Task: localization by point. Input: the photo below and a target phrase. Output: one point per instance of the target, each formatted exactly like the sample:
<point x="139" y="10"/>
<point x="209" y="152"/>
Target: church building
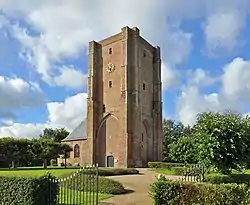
<point x="123" y="127"/>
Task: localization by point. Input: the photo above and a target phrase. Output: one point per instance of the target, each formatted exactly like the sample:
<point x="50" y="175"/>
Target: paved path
<point x="139" y="186"/>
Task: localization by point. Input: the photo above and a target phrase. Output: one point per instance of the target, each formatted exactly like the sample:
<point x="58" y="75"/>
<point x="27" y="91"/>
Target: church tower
<point x="124" y="105"/>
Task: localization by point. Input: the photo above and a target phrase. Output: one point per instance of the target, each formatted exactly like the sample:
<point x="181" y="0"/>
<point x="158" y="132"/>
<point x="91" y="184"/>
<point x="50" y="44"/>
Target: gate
<point x="193" y="173"/>
<point x="80" y="188"/>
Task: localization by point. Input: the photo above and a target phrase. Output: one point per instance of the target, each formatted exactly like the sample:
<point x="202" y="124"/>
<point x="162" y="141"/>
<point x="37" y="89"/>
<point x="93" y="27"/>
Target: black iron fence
<point x="80" y="188"/>
<point x="193" y="173"/>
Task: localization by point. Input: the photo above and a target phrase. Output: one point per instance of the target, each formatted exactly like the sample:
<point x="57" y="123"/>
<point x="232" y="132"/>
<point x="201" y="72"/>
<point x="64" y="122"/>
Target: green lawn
<point x="68" y="196"/>
<point x="59" y="172"/>
<point x="164" y="171"/>
<point x="37" y="171"/>
<point x="170" y="172"/>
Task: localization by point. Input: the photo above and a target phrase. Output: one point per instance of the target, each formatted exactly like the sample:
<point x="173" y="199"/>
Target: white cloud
<point x="236" y="80"/>
<point x="71" y="77"/>
<point x="169" y="77"/>
<point x="66" y="33"/>
<point x="192" y="102"/>
<point x="201" y="77"/>
<point x="222" y="30"/>
<point x="66" y="36"/>
<point x="224" y="20"/>
<point x="232" y="95"/>
<point x="66" y="114"/>
<point x="16" y="93"/>
<point x="3" y="21"/>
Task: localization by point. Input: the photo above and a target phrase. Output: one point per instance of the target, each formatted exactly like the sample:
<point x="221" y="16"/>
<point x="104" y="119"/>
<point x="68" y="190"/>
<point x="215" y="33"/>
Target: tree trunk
<point x="65" y="160"/>
<point x="45" y="164"/>
<point x="12" y="164"/>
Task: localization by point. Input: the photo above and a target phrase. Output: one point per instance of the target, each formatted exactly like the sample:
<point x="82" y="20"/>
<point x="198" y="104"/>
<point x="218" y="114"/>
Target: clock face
<point x="111" y="67"/>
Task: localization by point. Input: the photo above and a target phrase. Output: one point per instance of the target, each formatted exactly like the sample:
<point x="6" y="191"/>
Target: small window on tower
<point x="103" y="108"/>
<point x="144" y="53"/>
<point x="144" y="86"/>
<point x="110" y="50"/>
<point x="142" y="137"/>
<point x="110" y="84"/>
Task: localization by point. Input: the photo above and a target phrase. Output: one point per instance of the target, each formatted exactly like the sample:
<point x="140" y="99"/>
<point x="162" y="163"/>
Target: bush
<point x="53" y="162"/>
<point x="111" y="171"/>
<point x="28" y="191"/>
<point x="165" y="192"/>
<point x="110" y="186"/>
<point x="232" y="178"/>
<point x="105" y="185"/>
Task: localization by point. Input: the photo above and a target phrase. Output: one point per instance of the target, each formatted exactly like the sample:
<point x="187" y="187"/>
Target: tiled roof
<point x="79" y="133"/>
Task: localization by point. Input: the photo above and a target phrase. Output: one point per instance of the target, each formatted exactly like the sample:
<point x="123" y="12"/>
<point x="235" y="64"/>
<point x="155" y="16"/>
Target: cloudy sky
<point x="43" y="56"/>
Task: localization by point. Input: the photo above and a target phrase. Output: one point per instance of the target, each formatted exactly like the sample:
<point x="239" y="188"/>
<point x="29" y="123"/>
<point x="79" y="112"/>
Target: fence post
<point x="203" y="174"/>
<point x="97" y="184"/>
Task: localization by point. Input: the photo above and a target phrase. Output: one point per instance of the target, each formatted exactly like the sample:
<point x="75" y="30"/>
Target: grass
<point x="37" y="171"/>
<point x="69" y="196"/>
<point x="164" y="171"/>
<point x="66" y="195"/>
<point x="60" y="172"/>
<point x="170" y="172"/>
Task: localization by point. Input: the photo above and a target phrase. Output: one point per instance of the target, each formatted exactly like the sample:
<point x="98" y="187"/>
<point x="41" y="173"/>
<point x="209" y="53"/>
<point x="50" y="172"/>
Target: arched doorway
<point x="107" y="141"/>
<point x="110" y="161"/>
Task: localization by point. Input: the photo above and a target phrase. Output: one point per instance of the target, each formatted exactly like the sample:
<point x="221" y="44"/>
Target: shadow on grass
<point x="128" y="191"/>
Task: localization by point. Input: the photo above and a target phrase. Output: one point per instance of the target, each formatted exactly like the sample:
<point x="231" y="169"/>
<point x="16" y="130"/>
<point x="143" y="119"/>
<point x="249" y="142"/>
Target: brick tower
<point x="124" y="105"/>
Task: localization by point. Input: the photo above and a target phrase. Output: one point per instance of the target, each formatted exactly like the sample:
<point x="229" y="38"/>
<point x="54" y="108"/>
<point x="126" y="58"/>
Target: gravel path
<point x="138" y="186"/>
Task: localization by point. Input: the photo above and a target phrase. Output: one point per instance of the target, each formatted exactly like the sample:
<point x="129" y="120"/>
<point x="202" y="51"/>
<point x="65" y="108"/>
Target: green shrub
<point x="110" y="186"/>
<point x="53" y="162"/>
<point x="28" y="191"/>
<point x="166" y="165"/>
<point x="111" y="171"/>
<point x="105" y="185"/>
<point x="232" y="178"/>
<point x="165" y="192"/>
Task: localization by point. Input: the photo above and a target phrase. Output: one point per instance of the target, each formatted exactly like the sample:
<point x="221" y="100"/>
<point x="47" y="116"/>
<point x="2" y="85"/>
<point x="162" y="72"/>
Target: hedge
<point x="166" y="192"/>
<point x="232" y="178"/>
<point x="112" y="171"/>
<point x="28" y="191"/>
<point x="105" y="185"/>
<point x="166" y="165"/>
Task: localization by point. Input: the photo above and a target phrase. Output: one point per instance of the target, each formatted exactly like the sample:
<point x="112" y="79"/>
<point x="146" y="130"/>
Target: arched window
<point x="76" y="151"/>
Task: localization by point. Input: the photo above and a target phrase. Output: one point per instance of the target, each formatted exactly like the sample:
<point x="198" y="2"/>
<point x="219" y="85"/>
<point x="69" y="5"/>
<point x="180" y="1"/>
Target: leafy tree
<point x="10" y="150"/>
<point x="223" y="140"/>
<point x="173" y="133"/>
<point x="25" y="152"/>
<point x="56" y="135"/>
<point x="184" y="150"/>
<point x="51" y="150"/>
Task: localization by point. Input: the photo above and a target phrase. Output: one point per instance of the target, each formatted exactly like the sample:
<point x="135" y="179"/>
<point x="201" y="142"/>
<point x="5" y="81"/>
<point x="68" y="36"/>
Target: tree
<point x="56" y="135"/>
<point x="10" y="150"/>
<point x="173" y="133"/>
<point x="223" y="140"/>
<point x="184" y="150"/>
<point x="51" y="150"/>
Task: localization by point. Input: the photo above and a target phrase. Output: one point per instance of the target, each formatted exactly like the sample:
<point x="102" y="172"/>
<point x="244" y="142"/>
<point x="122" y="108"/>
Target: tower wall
<point x="124" y="117"/>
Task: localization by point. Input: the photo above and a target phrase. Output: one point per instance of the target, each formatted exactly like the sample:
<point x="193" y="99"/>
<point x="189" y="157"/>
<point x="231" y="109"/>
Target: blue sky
<point x="43" y="54"/>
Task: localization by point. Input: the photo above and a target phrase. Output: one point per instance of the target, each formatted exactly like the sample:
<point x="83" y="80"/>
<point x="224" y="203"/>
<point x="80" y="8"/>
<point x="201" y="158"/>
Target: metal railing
<point x="80" y="188"/>
<point x="193" y="173"/>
